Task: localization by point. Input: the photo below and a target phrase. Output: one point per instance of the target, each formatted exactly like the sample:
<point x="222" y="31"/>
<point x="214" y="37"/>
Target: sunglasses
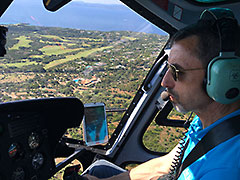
<point x="175" y="71"/>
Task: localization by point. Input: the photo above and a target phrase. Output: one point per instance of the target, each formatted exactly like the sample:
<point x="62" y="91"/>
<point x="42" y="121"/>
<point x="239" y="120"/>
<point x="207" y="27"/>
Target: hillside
<point x="68" y="62"/>
<point x="94" y="66"/>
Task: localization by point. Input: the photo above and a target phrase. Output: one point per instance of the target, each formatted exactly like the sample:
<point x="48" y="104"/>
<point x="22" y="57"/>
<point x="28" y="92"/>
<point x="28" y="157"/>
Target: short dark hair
<point x="208" y="40"/>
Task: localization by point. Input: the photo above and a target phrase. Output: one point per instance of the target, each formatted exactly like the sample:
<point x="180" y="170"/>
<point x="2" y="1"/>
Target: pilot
<point x="195" y="50"/>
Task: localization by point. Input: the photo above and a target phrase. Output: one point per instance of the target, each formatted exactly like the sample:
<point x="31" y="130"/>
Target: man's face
<point x="186" y="92"/>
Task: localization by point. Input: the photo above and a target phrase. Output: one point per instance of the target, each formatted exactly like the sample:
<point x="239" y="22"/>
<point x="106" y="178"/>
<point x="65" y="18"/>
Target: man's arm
<point x="154" y="168"/>
<point x="149" y="170"/>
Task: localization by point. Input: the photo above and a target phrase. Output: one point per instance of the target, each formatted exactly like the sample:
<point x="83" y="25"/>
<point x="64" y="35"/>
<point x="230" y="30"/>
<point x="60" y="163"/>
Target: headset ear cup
<point x="223" y="79"/>
<point x="222" y="82"/>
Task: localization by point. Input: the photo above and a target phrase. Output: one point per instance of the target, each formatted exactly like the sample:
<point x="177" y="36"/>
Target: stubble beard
<point x="177" y="105"/>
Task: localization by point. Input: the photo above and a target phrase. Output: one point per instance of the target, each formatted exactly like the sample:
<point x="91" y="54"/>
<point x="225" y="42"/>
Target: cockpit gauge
<point x="34" y="141"/>
<point x="14" y="150"/>
<point x="18" y="174"/>
<point x="37" y="161"/>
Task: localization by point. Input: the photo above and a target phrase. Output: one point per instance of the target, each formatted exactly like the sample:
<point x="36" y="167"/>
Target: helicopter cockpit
<point x="40" y="124"/>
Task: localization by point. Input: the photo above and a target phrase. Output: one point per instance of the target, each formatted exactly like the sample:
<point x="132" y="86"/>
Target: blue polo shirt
<point x="220" y="163"/>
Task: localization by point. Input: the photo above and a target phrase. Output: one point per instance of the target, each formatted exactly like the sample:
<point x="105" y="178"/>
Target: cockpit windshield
<point x="97" y="52"/>
<point x="77" y="51"/>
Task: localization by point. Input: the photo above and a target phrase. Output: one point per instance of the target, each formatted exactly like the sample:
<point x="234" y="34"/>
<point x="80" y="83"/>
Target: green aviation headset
<point x="223" y="71"/>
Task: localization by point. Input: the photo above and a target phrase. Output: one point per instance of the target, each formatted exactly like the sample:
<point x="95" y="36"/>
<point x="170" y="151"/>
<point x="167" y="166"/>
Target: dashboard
<point x="30" y="130"/>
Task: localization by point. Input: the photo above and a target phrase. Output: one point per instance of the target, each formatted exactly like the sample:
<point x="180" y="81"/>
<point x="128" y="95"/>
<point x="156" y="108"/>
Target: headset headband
<point x="226" y="24"/>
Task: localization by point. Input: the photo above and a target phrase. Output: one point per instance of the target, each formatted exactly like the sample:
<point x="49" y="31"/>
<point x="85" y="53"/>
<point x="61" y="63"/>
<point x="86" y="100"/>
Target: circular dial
<point x="18" y="174"/>
<point x="33" y="141"/>
<point x="37" y="161"/>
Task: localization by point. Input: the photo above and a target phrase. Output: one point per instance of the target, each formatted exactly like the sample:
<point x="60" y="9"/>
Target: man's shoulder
<point x="226" y="153"/>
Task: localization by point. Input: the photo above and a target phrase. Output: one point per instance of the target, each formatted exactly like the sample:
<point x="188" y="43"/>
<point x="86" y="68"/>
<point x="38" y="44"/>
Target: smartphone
<point x="95" y="128"/>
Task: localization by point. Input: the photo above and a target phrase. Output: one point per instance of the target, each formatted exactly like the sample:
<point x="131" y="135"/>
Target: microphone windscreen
<point x="164" y="96"/>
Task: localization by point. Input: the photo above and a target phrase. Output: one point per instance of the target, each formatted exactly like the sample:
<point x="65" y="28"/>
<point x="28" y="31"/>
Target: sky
<point x="101" y="1"/>
<point x="102" y="15"/>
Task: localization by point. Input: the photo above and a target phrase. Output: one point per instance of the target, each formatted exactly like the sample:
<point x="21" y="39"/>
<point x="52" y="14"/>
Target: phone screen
<point x="95" y="124"/>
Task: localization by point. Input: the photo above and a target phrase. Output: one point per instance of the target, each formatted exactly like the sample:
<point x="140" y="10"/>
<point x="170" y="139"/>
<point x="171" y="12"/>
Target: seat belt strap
<point x="220" y="133"/>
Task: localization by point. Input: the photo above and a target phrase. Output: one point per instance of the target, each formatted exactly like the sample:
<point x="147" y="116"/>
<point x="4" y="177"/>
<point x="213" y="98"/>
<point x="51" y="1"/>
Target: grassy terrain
<point x="57" y="50"/>
<point x="23" y="41"/>
<point x="74" y="57"/>
<point x="128" y="38"/>
<point x="54" y="37"/>
<point x="24" y="62"/>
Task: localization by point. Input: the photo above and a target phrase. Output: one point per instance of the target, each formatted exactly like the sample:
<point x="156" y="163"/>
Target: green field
<point x="74" y="57"/>
<point x="56" y="50"/>
<point x="20" y="64"/>
<point x="23" y="41"/>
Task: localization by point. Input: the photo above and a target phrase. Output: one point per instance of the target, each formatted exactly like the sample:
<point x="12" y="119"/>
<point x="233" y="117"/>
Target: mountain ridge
<point x="80" y="15"/>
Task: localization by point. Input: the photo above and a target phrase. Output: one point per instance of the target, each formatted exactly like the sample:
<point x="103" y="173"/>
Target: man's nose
<point x="168" y="81"/>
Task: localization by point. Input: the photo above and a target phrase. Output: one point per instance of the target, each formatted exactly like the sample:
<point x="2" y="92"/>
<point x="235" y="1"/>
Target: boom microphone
<point x="164" y="96"/>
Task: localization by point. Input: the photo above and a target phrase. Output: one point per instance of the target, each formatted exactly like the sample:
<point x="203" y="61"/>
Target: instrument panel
<point x="29" y="133"/>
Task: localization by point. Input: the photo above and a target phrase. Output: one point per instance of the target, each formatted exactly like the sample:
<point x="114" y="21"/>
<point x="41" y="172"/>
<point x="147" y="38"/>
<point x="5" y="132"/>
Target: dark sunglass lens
<point x="173" y="71"/>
